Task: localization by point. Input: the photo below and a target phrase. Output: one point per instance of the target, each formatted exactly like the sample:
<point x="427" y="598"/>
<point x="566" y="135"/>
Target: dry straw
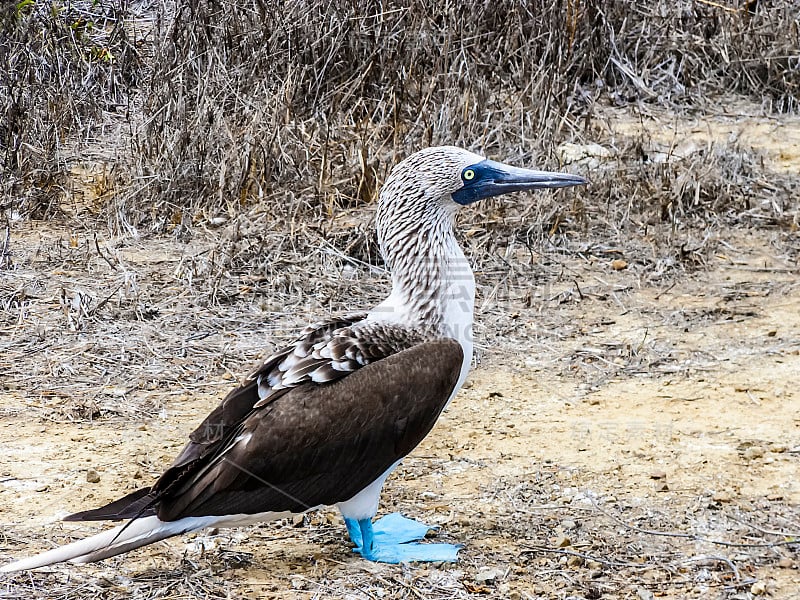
<point x="299" y="107"/>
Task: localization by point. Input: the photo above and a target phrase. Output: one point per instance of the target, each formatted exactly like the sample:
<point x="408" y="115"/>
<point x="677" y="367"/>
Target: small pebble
<point x="786" y="563"/>
<point x="92" y="476"/>
<point x="721" y="496"/>
<point x="661" y="486"/>
<point x="658" y="474"/>
<point x="562" y="541"/>
<point x="753" y="452"/>
<point x="759" y="588"/>
<point x="574" y="561"/>
<point x="488" y="575"/>
<point x="618" y="264"/>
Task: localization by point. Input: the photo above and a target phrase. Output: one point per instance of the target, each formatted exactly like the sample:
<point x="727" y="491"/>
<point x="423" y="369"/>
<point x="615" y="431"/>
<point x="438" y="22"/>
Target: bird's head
<point x="448" y="177"/>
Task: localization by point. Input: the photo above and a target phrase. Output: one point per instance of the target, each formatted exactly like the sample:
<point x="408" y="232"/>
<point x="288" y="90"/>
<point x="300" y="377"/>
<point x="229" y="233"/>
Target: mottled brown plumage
<point x="304" y="440"/>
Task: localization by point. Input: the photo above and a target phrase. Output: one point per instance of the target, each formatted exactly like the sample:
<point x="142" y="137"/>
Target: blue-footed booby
<point x="326" y="419"/>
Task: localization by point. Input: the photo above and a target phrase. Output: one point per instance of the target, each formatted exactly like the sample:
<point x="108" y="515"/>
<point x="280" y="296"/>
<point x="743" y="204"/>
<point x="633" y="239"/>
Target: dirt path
<point x="560" y="466"/>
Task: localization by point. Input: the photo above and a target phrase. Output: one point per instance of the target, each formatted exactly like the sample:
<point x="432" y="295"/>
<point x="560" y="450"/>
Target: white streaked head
<point x="438" y="180"/>
<point x="433" y="173"/>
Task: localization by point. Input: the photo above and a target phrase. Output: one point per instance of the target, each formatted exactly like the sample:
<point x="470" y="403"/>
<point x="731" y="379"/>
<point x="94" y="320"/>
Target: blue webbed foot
<point x="412" y="552"/>
<point x="388" y="541"/>
<point x="397" y="529"/>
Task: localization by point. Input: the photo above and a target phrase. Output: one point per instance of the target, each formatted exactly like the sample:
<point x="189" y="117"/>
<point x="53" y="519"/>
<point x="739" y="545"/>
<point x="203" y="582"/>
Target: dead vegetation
<point x="69" y="70"/>
<point x="298" y="110"/>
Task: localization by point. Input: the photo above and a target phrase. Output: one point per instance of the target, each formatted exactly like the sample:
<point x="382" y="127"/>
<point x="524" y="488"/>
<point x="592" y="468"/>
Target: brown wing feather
<point x="334" y="349"/>
<point x="241" y="400"/>
<point x="320" y="444"/>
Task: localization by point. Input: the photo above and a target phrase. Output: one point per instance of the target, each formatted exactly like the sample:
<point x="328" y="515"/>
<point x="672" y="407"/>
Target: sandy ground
<point x="618" y="438"/>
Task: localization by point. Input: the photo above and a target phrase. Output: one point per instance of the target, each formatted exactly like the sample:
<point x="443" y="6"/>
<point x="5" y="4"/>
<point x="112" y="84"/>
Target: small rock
<point x="721" y="496"/>
<point x="298" y="520"/>
<point x="753" y="452"/>
<point x="562" y="541"/>
<point x="514" y="595"/>
<point x="661" y="486"/>
<point x="574" y="561"/>
<point x="488" y="575"/>
<point x="138" y="475"/>
<point x="618" y="264"/>
<point x="658" y="474"/>
<point x="142" y="427"/>
<point x="92" y="476"/>
<point x="644" y="594"/>
<point x="590" y="155"/>
<point x="567" y="524"/>
<point x="759" y="588"/>
<point x="786" y="563"/>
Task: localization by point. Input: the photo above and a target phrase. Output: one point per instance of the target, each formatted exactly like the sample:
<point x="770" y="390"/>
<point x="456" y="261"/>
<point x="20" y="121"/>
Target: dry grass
<point x="69" y="69"/>
<point x="300" y="109"/>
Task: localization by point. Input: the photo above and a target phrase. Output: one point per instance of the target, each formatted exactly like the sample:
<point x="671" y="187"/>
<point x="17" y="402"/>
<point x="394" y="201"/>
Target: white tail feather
<point x="113" y="541"/>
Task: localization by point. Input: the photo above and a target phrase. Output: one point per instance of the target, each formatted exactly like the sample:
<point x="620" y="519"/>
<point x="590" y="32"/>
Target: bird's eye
<point x="469" y="174"/>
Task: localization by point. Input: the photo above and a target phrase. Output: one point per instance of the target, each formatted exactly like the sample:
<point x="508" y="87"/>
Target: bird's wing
<point x="319" y="444"/>
<point x="324" y="352"/>
<point x="296" y="384"/>
<point x="241" y="400"/>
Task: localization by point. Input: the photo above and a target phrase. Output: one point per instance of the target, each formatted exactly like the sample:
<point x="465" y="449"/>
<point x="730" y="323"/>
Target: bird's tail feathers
<point x="140" y="503"/>
<point x="111" y="542"/>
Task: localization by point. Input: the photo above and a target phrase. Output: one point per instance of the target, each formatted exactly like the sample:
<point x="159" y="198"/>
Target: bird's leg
<point x="354" y="531"/>
<point x="388" y="542"/>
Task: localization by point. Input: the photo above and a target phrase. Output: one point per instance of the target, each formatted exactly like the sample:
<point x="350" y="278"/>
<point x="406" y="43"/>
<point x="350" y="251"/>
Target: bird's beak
<point x="494" y="178"/>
